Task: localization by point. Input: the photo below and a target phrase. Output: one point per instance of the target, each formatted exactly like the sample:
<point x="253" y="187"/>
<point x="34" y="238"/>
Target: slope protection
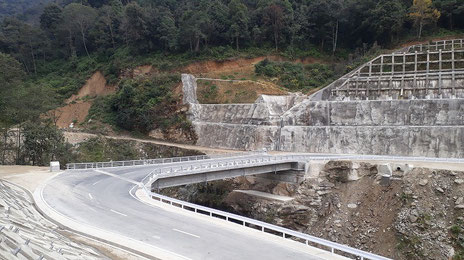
<point x="412" y="121"/>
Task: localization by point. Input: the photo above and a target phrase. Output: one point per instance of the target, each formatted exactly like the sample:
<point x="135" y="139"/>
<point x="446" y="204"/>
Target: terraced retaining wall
<point x="418" y="127"/>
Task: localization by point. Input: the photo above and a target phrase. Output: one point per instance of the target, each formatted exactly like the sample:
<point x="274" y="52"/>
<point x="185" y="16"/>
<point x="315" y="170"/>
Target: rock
<point x="283" y="189"/>
<point x="423" y="182"/>
<point x="440" y="190"/>
<point x="413" y="218"/>
<point x="338" y="170"/>
<point x="384" y="169"/>
<point x="352" y="206"/>
<point x="459" y="200"/>
<point x="461" y="206"/>
<point x="459" y="181"/>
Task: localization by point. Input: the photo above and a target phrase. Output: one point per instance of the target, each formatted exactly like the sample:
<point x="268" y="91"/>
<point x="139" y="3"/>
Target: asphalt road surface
<point x="107" y="202"/>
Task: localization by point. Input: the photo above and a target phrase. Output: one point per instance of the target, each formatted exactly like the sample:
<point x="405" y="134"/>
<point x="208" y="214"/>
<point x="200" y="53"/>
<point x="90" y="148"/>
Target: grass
<point x="103" y="149"/>
<point x="457" y="236"/>
<point x="226" y="92"/>
<point x="295" y="76"/>
<point x="410" y="247"/>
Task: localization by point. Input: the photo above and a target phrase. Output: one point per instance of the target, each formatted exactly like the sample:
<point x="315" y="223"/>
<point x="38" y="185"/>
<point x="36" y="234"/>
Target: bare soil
<point x="95" y="86"/>
<point x="78" y="105"/>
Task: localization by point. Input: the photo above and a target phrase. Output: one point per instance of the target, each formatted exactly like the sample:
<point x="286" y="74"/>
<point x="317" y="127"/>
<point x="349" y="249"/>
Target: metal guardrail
<point x="112" y="164"/>
<point x="267" y="228"/>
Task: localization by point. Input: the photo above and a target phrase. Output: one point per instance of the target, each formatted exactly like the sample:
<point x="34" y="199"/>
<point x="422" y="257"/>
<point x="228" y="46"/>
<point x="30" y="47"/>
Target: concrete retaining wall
<point x="257" y="114"/>
<point x="432" y="128"/>
<point x="420" y="127"/>
<point x="439" y="112"/>
<point x="382" y="140"/>
<point x="236" y="136"/>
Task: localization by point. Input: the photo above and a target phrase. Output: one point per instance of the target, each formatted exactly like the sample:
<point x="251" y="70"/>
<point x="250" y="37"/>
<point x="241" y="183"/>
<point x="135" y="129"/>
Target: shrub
<point x="295" y="76"/>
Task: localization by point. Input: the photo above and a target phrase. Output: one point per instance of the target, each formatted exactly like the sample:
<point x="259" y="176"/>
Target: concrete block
<point x="54" y="166"/>
<point x="313" y="168"/>
<point x="384" y="169"/>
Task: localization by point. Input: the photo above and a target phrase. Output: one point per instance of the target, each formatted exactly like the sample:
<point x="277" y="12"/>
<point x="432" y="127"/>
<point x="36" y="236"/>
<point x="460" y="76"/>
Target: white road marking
<point x="90" y="196"/>
<point x="114" y="211"/>
<point x="119" y="177"/>
<point x="96" y="182"/>
<point x="183" y="232"/>
<point x="156" y="237"/>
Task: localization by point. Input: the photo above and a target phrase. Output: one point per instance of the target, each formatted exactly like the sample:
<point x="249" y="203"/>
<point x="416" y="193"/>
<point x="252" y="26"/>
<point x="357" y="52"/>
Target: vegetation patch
<point x="295" y="76"/>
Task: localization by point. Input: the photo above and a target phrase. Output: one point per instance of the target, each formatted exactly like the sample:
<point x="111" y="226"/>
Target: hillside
<point x="28" y="10"/>
<point x="128" y="56"/>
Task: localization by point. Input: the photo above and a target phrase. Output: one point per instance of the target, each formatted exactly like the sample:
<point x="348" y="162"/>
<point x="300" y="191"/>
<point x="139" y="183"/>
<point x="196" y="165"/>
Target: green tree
<point x="50" y="18"/>
<point x="43" y="143"/>
<point x="11" y="76"/>
<point x="23" y="41"/>
<point x="238" y="16"/>
<point x="423" y="13"/>
<point x="386" y="20"/>
<point x="104" y="32"/>
<point x="274" y="18"/>
<point x="169" y="33"/>
<point x="136" y="26"/>
<point x="78" y="19"/>
<point x="450" y="9"/>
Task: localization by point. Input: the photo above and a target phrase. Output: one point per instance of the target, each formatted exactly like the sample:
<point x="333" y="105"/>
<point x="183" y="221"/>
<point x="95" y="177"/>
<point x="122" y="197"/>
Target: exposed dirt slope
<point x="78" y="105"/>
<point x="95" y="86"/>
<point x="213" y="67"/>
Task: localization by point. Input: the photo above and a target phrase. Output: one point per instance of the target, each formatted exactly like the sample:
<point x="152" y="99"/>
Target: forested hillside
<point x="69" y="30"/>
<point x="44" y="63"/>
<point x="28" y="10"/>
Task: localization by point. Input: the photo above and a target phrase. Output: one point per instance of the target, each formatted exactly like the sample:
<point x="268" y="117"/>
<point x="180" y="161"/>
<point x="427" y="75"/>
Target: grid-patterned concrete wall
<point x="435" y="71"/>
<point x="406" y="103"/>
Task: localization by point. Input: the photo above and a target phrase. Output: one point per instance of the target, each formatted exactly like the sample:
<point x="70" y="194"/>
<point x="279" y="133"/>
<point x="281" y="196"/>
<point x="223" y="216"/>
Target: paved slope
<point x="25" y="234"/>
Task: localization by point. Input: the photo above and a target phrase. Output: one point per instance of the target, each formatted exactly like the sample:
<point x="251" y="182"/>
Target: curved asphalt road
<point x="103" y="201"/>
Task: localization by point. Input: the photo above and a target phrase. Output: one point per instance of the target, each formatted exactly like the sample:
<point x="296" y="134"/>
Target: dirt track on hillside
<point x="78" y="137"/>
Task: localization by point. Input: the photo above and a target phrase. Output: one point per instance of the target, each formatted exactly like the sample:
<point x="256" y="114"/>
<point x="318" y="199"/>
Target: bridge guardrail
<point x="230" y="162"/>
<point x="211" y="165"/>
<point x="266" y="227"/>
<point x="112" y="164"/>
